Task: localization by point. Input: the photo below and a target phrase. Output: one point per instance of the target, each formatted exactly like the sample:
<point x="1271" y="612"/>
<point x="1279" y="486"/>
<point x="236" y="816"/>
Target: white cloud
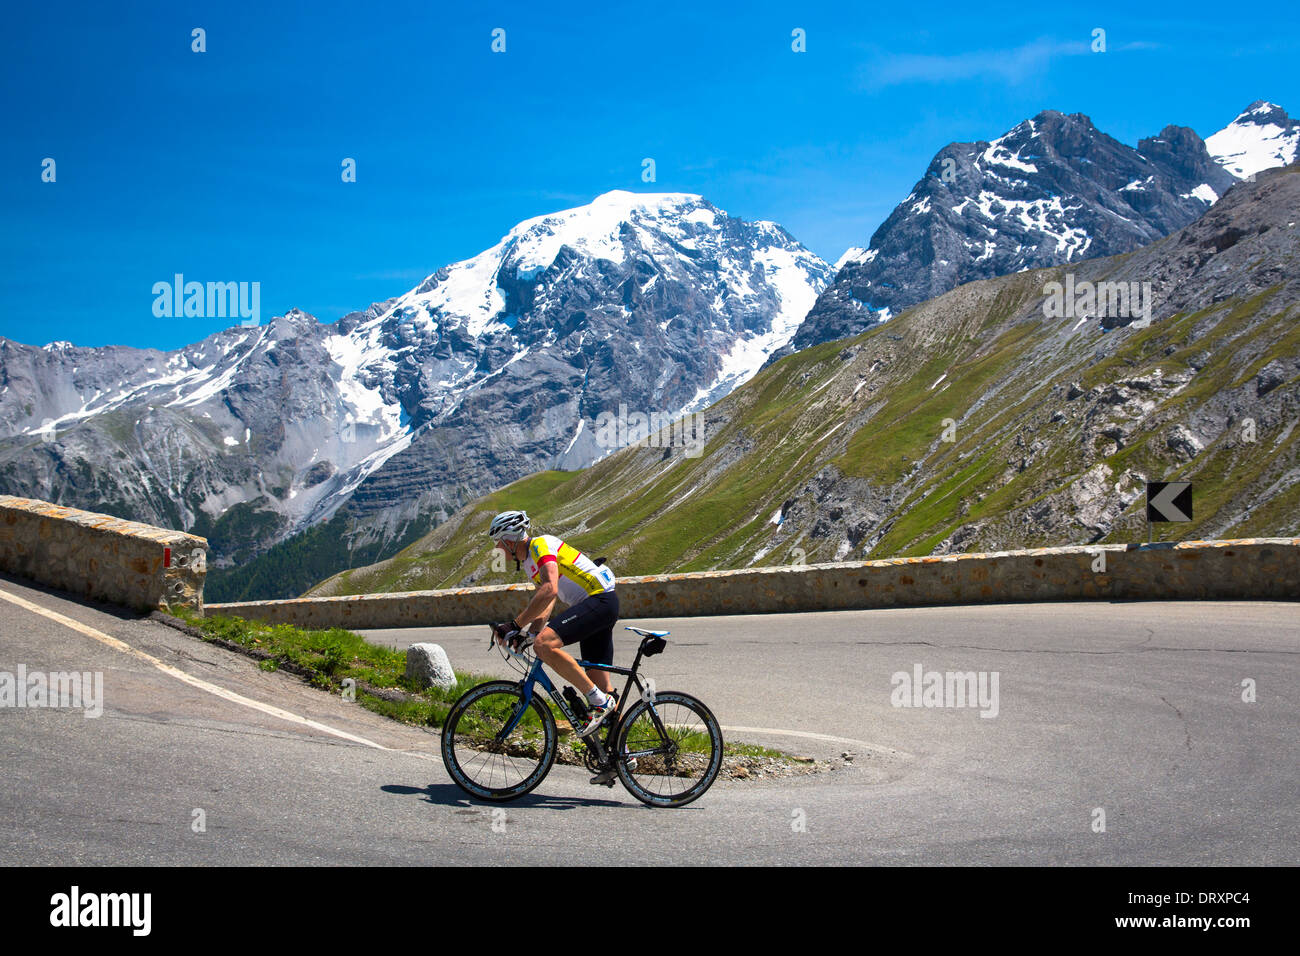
<point x="1014" y="65"/>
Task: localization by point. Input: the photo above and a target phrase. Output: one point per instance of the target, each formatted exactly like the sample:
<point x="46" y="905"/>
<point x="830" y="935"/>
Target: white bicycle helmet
<point x="510" y="525"/>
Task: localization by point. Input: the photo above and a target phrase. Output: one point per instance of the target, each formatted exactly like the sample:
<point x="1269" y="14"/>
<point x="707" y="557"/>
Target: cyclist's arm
<point x="540" y="621"/>
<point x="548" y="588"/>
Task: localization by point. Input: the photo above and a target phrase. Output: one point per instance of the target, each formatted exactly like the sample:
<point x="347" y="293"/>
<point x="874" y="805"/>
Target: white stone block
<point x="429" y="666"/>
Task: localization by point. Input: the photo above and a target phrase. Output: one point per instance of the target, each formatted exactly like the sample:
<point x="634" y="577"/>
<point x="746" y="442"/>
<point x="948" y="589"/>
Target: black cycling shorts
<point x="591" y="622"/>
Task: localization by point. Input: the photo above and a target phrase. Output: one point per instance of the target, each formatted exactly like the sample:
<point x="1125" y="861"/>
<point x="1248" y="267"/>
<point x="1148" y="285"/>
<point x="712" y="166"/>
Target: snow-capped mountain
<point x="491" y="369"/>
<point x="1261" y="137"/>
<point x="669" y="273"/>
<point x="503" y="363"/>
<point x="255" y="427"/>
<point x="1053" y="190"/>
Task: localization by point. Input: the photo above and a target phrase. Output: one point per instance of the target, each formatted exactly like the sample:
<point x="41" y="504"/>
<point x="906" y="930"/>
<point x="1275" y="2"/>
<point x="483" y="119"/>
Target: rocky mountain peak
<point x="1053" y="189"/>
<point x="1261" y="137"/>
<point x="490" y="369"/>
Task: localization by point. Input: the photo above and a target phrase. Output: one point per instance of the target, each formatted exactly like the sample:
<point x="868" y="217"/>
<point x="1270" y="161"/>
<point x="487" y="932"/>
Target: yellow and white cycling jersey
<point x="580" y="576"/>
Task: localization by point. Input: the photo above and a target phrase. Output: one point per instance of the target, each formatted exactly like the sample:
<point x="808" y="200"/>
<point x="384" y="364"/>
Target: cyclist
<point x="560" y="570"/>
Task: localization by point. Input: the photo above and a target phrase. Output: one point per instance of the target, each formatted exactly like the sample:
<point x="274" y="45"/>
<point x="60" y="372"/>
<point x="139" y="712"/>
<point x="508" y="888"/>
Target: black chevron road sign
<point x="1169" y="501"/>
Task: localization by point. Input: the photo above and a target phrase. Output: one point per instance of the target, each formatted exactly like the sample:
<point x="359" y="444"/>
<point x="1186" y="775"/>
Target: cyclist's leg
<point x="599" y="650"/>
<point x="550" y="648"/>
<point x="592" y="616"/>
<point x="598" y="645"/>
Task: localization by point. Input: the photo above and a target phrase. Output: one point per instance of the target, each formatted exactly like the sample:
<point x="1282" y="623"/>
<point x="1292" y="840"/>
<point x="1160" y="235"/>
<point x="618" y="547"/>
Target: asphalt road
<point x="1131" y="710"/>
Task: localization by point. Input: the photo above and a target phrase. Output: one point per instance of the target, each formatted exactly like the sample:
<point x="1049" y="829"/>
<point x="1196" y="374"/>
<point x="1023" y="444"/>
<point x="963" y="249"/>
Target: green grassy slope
<point x="971" y="422"/>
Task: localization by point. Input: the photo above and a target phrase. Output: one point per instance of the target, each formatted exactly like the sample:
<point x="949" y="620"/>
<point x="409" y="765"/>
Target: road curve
<point x="1130" y="714"/>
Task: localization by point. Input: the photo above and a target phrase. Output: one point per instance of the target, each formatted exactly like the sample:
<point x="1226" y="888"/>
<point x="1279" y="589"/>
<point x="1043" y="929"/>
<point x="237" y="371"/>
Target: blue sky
<point x="225" y="165"/>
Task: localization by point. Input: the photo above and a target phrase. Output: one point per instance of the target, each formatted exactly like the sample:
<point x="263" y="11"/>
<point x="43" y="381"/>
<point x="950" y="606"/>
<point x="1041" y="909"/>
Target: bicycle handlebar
<point x="507" y="652"/>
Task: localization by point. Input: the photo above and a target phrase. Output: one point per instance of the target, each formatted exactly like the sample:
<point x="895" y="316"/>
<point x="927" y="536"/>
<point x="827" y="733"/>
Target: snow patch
<point x="785" y="272"/>
<point x="999" y="155"/>
<point x="830" y="433"/>
<point x="1246" y="146"/>
<point x="856" y="254"/>
<point x="1204" y="193"/>
<point x="569" y="447"/>
<point x="1044" y="216"/>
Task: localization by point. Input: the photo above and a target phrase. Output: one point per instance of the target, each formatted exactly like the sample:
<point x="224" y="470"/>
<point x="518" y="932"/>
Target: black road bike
<point x="500" y="739"/>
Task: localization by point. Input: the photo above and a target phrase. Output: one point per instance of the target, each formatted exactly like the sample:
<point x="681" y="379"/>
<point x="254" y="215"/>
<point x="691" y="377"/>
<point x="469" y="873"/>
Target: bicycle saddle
<point x="646" y="633"/>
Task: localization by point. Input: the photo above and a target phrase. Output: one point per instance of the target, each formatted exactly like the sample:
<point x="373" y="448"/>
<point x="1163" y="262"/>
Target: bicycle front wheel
<point x="482" y="761"/>
<point x="669" y="750"/>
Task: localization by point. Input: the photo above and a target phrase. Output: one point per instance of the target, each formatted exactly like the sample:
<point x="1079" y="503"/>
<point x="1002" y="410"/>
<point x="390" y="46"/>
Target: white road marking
<point x="316" y="725"/>
<point x="811" y="736"/>
<point x="182" y="676"/>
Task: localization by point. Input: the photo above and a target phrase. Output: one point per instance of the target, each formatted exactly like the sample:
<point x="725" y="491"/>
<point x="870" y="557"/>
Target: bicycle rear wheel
<point x="484" y="764"/>
<point x="669" y="750"/>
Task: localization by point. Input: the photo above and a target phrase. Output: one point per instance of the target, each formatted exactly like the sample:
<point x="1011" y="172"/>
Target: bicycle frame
<point x="537" y="675"/>
<point x="645" y="743"/>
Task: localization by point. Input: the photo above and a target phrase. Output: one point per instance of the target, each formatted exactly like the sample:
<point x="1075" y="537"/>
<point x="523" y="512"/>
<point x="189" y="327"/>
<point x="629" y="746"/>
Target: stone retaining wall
<point x="1248" y="569"/>
<point x="101" y="557"/>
